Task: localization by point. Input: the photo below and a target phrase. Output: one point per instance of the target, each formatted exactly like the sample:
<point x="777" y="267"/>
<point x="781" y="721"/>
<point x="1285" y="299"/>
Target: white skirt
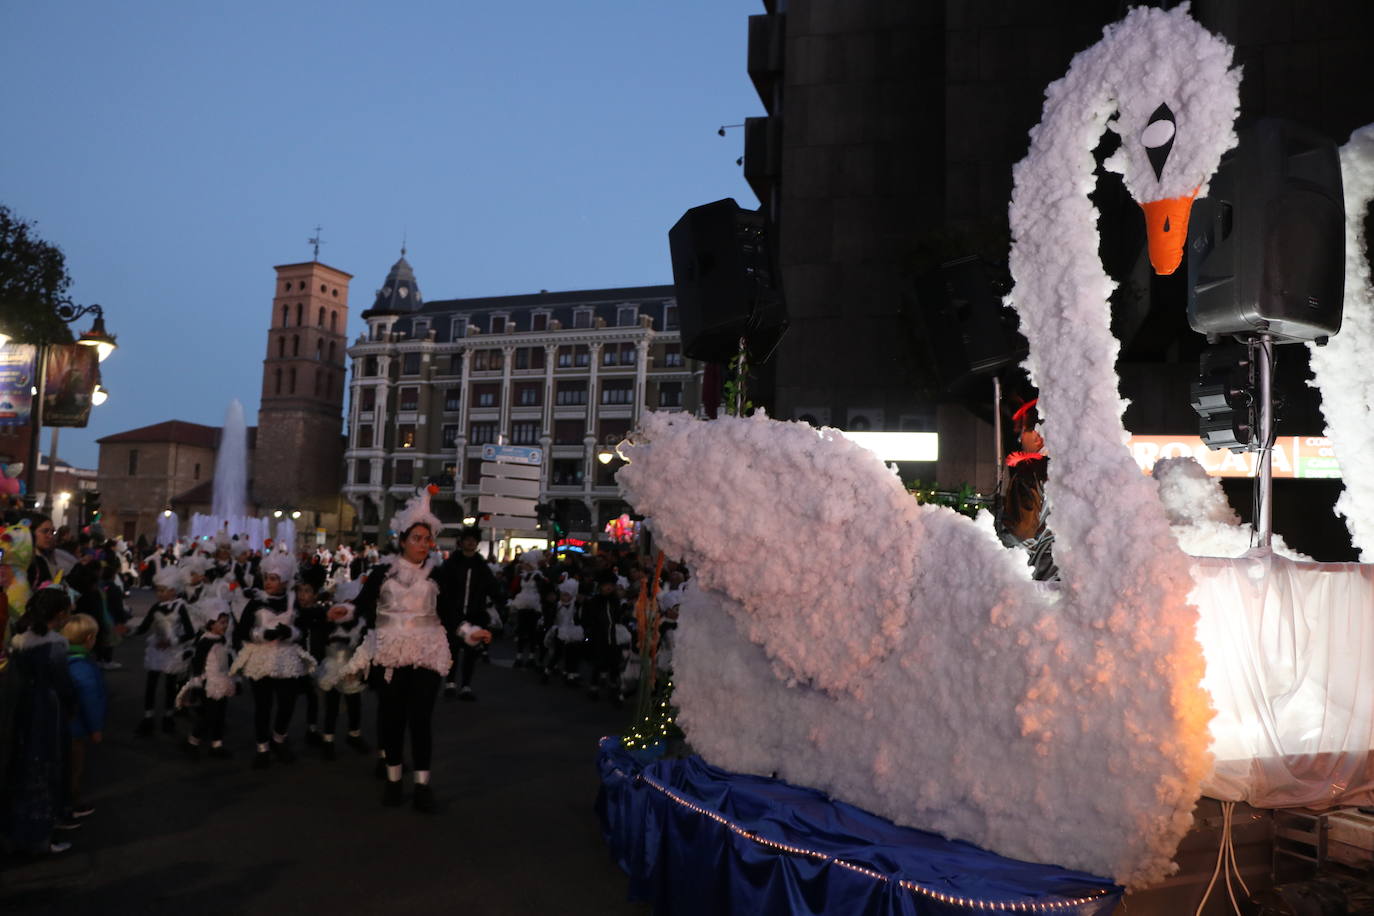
<point x="258" y="660"/>
<point x="172" y="660"/>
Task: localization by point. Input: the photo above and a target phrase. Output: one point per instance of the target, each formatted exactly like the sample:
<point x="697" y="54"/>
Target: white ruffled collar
<point x="409" y="573"/>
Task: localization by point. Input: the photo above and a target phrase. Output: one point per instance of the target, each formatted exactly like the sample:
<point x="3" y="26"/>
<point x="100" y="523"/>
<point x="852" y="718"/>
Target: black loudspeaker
<point x="968" y="329"/>
<point x="1266" y="247"/>
<point x="727" y="283"/>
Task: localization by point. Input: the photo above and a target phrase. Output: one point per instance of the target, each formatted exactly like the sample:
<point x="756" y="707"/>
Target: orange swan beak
<point x="1166" y="228"/>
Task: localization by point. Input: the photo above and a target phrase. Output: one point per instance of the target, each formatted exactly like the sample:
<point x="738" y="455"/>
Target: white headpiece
<point x="221" y="538"/>
<point x="194" y="564"/>
<point x="169" y="576"/>
<point x="242" y="547"/>
<point x="568" y="587"/>
<point x="347" y="591"/>
<point x="281" y="565"/>
<point x="212" y="606"/>
<point x="532" y="557"/>
<point x="417" y="512"/>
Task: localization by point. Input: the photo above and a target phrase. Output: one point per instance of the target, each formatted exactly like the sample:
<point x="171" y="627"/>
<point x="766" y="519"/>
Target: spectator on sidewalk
<point x="90" y="701"/>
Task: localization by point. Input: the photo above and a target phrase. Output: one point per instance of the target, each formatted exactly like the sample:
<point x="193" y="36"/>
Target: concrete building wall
<point x="134" y="491"/>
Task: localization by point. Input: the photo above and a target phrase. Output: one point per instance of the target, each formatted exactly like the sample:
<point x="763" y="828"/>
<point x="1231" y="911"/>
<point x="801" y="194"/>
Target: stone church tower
<point x="298" y="458"/>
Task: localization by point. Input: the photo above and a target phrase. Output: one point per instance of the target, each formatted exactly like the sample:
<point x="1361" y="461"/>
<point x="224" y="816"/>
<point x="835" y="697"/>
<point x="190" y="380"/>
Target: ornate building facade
<point x="567" y="372"/>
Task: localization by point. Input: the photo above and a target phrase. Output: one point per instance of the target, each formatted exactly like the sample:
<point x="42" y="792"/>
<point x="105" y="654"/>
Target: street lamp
<point x="470" y="520"/>
<point x="97" y="336"/>
<point x="276" y="513"/>
<point x="100" y="395"/>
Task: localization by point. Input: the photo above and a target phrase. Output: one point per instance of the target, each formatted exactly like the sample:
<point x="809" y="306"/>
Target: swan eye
<point x="1158" y="138"/>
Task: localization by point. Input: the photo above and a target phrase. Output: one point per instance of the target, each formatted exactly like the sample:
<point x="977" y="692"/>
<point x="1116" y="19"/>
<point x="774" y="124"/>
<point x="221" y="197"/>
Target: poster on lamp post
<point x="70" y="376"/>
<point x="16" y="384"/>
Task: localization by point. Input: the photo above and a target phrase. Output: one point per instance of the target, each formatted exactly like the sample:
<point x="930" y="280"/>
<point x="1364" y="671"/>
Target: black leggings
<point x="265" y="690"/>
<point x="407" y="700"/>
<point x="150" y="692"/>
<point x="210" y="724"/>
<point x="312" y="704"/>
<point x="353" y="702"/>
<point x="527" y="630"/>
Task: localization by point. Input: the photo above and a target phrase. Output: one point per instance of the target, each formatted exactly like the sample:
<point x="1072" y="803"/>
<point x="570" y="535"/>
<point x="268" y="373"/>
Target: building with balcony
<point x="568" y="372"/>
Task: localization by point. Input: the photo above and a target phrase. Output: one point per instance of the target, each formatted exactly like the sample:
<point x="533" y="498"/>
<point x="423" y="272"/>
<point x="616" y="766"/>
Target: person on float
<point x="271" y="657"/>
<point x="470" y="584"/>
<point x="409" y="607"/>
<point x="170" y="633"/>
<point x="1021" y="518"/>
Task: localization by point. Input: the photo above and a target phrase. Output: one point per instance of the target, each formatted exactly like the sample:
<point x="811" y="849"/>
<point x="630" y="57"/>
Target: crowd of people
<point x="407" y="623"/>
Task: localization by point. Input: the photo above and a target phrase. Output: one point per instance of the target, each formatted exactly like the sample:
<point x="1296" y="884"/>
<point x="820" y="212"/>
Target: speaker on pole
<point x="727" y="283"/>
<point x="1266" y="246"/>
<point x="968" y="331"/>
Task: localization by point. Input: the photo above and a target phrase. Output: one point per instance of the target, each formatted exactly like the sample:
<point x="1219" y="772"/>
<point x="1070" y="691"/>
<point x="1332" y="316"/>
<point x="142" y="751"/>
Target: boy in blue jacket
<point x="87" y="724"/>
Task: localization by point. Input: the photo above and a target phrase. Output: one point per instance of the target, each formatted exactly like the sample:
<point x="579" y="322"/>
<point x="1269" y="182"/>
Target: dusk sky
<point x="177" y="151"/>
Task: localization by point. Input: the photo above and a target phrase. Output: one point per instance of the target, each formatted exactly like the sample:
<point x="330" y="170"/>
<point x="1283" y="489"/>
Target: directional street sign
<point x="520" y="454"/>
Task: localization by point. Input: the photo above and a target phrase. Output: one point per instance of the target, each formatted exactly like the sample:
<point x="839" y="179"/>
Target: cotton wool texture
<point x="898" y="657"/>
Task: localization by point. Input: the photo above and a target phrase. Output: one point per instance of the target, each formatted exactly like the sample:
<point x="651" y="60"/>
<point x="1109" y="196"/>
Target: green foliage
<point x="965" y="500"/>
<point x="33" y="276"/>
<point x="736" y="388"/>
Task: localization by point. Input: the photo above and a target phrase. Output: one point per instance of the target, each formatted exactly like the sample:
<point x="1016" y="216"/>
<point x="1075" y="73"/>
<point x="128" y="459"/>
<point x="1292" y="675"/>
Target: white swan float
<point x="921" y="674"/>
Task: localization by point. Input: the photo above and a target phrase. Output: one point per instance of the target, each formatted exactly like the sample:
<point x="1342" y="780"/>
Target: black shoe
<point x="467" y="694"/>
<point x="169" y="725"/>
<point x="220" y="752"/>
<point x="423" y="799"/>
<point x="146" y="727"/>
<point x="358" y="743"/>
<point x="314" y="738"/>
<point x="450" y="691"/>
<point x="262" y="760"/>
<point x="327" y="751"/>
<point x="283" y="752"/>
<point x="69" y="823"/>
<point x="391" y="794"/>
<point x="81" y="811"/>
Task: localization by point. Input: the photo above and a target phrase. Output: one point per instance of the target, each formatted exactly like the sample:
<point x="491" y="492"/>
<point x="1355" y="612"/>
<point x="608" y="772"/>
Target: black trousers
<point x="169" y="686"/>
<point x="312" y="704"/>
<point x="527" y="630"/>
<point x="407" y="701"/>
<point x="268" y="691"/>
<point x="464" y="660"/>
<point x="353" y="702"/>
<point x="210" y="719"/>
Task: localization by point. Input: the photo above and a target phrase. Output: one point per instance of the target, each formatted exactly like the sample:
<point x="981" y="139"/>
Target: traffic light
<point x="90" y="506"/>
<point x="543" y="514"/>
<point x="1224" y="397"/>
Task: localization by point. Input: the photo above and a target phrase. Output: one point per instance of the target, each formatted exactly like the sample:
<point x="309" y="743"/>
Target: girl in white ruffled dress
<point x="170" y="633"/>
<point x="406" y="648"/>
<point x="271" y="657"/>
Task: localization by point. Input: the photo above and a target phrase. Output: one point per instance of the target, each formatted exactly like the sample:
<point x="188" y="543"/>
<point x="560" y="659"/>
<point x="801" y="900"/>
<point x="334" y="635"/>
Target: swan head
<point x="1176" y="96"/>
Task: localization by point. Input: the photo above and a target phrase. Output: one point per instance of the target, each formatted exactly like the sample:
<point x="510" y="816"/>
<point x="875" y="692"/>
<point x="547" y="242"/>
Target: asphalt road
<point x="516" y="833"/>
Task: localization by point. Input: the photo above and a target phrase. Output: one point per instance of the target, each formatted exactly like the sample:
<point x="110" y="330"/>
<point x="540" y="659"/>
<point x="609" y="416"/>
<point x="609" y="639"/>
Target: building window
<point x="670" y="394"/>
<point x="617" y="391"/>
<point x="582" y="356"/>
<point x="419" y="329"/>
<point x="404" y="471"/>
<point x="670" y="318"/>
<point x="195" y="471"/>
<point x="488" y="395"/>
<point x="281" y="347"/>
<point x="319" y="349"/>
<point x="627" y="316"/>
<point x="609" y="355"/>
<point x="363" y="437"/>
<point x="498" y="324"/>
<point x="528" y="394"/>
<point x="458" y="329"/>
<point x="672" y="356"/>
<point x="285" y="314"/>
<point x="410" y="399"/>
<point x="522" y="358"/>
<point x="331" y="352"/>
<point x="582" y="318"/>
<point x="453" y="400"/>
<point x="319" y="382"/>
<point x="571" y="393"/>
<point x="278" y="381"/>
<point x="133" y="462"/>
<point x="629" y="354"/>
<point x="567" y="472"/>
<point x="565" y="357"/>
<point x="369" y="366"/>
<point x="482" y="433"/>
<point x="536" y="357"/>
<point x="455" y="364"/>
<point x="363" y="472"/>
<point x="321" y="321"/>
<point x="293" y="381"/>
<point x="472" y="475"/>
<point x="367" y="398"/>
<point x="300" y="311"/>
<point x="334" y="318"/>
<point x="613" y="429"/>
<point x="295" y="345"/>
<point x="410" y="364"/>
<point x="405" y="435"/>
<point x="569" y="432"/>
<point x="539" y="321"/>
<point x="525" y="432"/>
<point x="450" y="435"/>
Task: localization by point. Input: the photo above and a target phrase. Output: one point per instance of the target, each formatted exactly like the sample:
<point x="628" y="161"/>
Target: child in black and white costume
<point x="271" y="657"/>
<point x="527" y="607"/>
<point x="409" y="605"/>
<point x="564" y="639"/>
<point x="336" y="642"/>
<point x="210" y="686"/>
<point x="170" y="632"/>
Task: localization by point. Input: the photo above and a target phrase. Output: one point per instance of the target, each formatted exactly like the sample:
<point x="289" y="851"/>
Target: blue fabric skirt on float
<point x="695" y="839"/>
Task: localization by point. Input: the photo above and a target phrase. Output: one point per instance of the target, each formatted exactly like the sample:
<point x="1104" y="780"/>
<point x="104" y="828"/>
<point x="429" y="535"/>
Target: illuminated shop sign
<point x="1294" y="456"/>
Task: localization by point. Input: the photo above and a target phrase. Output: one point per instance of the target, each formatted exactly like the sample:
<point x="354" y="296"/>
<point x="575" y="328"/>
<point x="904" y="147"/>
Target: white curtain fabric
<point x="1290" y="666"/>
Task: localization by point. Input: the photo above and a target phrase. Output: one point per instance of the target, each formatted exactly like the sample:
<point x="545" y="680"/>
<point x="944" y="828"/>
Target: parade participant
<point x="210" y="687"/>
<point x="564" y="639"/>
<point x="170" y="632"/>
<point x="271" y="657"/>
<point x="409" y="605"/>
<point x="312" y="623"/>
<point x="1022" y="514"/>
<point x="338" y="640"/>
<point x="526" y="605"/>
<point x="197" y="588"/>
<point x="470" y="584"/>
<point x="599" y="617"/>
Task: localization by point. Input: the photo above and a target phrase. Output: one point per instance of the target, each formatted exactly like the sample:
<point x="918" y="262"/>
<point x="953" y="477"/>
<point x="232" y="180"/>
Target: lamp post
<point x="97" y="337"/>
